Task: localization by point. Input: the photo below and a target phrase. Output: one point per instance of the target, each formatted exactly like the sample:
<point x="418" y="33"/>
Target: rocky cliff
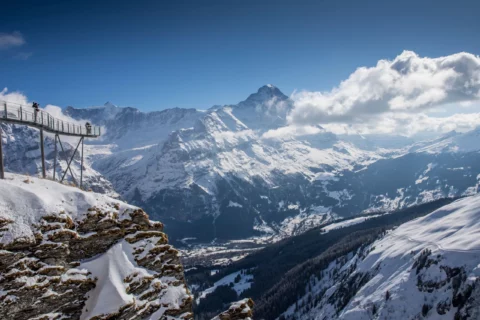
<point x="70" y="254"/>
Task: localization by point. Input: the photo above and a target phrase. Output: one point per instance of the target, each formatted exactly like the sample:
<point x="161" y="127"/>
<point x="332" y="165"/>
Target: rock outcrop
<point x="240" y="310"/>
<point x="69" y="254"/>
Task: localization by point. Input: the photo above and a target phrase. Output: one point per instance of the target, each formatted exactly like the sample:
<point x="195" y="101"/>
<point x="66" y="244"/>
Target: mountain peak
<point x="272" y="90"/>
<point x="264" y="94"/>
<point x="108" y="104"/>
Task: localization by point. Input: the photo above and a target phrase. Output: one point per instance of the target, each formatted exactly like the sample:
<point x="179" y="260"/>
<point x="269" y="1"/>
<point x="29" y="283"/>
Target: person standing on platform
<point x="36" y="108"/>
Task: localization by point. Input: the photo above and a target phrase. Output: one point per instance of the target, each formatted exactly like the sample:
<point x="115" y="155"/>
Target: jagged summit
<point x="264" y="95"/>
<point x="108" y="104"/>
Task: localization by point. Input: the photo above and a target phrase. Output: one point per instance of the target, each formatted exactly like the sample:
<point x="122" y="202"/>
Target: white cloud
<point x="408" y="84"/>
<point x="11" y="40"/>
<point x="57" y="113"/>
<point x="292" y="131"/>
<point x="409" y="124"/>
<point x="13" y="97"/>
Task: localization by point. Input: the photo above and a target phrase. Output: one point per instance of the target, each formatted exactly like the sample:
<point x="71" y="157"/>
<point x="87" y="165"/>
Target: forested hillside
<point x="281" y="271"/>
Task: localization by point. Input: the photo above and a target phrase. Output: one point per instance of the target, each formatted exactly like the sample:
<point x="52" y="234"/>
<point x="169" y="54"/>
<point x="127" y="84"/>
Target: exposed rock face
<point x="241" y="310"/>
<point x="68" y="254"/>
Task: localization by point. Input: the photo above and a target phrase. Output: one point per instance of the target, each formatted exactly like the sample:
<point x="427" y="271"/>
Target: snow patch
<point x="243" y="284"/>
<point x="234" y="204"/>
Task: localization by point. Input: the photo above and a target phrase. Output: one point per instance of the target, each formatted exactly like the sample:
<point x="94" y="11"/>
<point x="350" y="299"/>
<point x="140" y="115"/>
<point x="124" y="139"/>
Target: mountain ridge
<point x="186" y="166"/>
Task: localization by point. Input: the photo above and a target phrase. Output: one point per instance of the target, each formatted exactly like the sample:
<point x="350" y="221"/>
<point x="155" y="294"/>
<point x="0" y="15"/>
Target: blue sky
<point x="155" y="54"/>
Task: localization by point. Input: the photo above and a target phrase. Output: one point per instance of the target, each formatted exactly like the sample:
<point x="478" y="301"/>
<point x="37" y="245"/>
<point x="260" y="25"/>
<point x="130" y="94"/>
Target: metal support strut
<point x="71" y="159"/>
<point x="55" y="158"/>
<point x="2" y="170"/>
<point x="42" y="150"/>
<point x="69" y="169"/>
<point x="81" y="169"/>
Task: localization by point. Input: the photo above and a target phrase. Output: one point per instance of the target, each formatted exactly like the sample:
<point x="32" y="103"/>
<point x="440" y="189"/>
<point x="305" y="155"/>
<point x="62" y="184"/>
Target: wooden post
<point x="2" y="170"/>
<point x="44" y="174"/>
<point x="5" y="110"/>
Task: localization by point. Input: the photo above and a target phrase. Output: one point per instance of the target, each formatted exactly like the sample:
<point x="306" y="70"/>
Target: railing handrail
<point x="17" y="112"/>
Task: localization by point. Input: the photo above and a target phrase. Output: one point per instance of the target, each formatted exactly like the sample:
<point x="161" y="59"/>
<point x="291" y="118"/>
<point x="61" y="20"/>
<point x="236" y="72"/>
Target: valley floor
<point x="222" y="253"/>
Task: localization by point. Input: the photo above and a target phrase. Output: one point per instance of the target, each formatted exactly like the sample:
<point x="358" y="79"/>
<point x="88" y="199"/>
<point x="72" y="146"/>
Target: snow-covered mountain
<point x="128" y="128"/>
<point x="238" y="170"/>
<point x="220" y="168"/>
<point x="450" y="142"/>
<point x="427" y="268"/>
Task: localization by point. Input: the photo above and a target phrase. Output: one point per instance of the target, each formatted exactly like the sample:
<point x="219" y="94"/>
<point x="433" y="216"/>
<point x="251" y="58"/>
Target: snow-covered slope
<point x="427" y="268"/>
<point x="445" y="167"/>
<point x="71" y="254"/>
<point x="238" y="281"/>
<point x="451" y="142"/>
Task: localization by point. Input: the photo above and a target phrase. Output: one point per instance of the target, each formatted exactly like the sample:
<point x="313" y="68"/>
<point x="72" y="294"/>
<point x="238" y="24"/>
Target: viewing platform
<point x="34" y="117"/>
<point x="26" y="115"/>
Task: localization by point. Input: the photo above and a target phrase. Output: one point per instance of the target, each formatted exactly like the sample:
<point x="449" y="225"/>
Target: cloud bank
<point x="409" y="125"/>
<point x="11" y="40"/>
<point x="13" y="97"/>
<point x="391" y="95"/>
